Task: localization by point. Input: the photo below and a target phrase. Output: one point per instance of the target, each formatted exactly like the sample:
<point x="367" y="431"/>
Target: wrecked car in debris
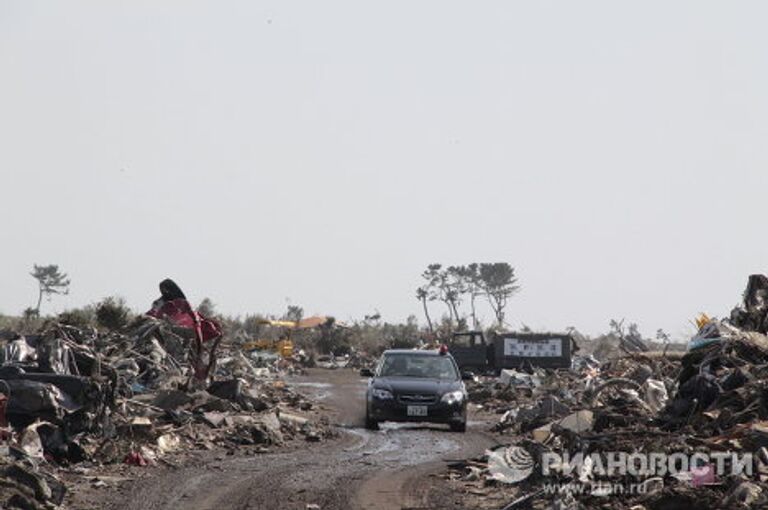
<point x="416" y="386"/>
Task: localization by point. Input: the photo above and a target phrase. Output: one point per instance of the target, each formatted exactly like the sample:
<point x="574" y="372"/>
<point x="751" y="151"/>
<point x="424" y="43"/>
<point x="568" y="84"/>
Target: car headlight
<point x="382" y="394"/>
<point x="453" y="397"/>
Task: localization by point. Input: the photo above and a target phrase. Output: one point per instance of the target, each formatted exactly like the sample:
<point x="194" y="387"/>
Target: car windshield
<point x="418" y="365"/>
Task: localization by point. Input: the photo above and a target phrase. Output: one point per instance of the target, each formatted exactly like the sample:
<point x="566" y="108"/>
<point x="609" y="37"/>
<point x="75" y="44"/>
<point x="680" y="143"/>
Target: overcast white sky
<point x="325" y="152"/>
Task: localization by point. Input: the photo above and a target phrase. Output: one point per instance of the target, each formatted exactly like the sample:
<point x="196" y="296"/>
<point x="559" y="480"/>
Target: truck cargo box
<point x="546" y="350"/>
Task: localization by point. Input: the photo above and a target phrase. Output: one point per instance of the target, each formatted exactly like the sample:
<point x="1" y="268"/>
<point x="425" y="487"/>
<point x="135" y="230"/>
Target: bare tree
<point x="438" y="287"/>
<point x="455" y="288"/>
<point x="50" y="281"/>
<point x="630" y="339"/>
<point x="422" y="294"/>
<point x="294" y="313"/>
<point x="499" y="283"/>
<point x="206" y="308"/>
<point x="446" y="285"/>
<point x="471" y="286"/>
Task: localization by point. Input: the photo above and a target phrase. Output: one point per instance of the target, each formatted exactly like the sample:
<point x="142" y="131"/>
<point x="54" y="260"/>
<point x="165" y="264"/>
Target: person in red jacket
<point x="173" y="306"/>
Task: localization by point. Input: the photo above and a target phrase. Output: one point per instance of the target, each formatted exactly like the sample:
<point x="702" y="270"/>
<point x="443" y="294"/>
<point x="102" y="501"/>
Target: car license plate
<point x="417" y="410"/>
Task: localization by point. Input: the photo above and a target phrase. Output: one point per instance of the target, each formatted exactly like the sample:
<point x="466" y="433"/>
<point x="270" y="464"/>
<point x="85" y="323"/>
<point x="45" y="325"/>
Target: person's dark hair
<point x="170" y="291"/>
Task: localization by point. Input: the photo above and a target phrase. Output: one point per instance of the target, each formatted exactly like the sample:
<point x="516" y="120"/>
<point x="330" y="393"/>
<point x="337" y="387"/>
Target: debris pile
<point x="650" y="430"/>
<point x="72" y="396"/>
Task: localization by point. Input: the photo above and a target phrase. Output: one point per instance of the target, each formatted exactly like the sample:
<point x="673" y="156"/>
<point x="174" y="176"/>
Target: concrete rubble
<point x="72" y="400"/>
<point x="711" y="399"/>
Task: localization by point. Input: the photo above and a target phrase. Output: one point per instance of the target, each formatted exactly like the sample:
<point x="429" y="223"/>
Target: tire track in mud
<point x="382" y="470"/>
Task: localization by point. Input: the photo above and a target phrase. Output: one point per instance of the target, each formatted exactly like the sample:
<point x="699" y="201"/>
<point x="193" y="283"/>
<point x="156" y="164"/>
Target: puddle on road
<point x="410" y="449"/>
<point x="317" y="390"/>
<point x="401" y="444"/>
<point x="338" y="393"/>
<point x="310" y="384"/>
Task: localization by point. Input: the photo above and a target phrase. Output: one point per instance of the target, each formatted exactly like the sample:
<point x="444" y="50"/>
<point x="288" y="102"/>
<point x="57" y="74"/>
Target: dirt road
<point x="383" y="470"/>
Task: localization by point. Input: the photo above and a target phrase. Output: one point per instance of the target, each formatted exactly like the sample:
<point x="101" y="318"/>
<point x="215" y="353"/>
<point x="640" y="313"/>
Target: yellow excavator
<point x="283" y="345"/>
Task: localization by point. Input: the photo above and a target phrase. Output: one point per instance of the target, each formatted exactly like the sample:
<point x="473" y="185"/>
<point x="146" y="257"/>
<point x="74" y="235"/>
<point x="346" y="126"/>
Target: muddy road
<point x="387" y="469"/>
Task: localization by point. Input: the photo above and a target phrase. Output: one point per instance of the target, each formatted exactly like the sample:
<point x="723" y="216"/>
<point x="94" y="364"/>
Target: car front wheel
<point x="370" y="424"/>
<point x="459" y="426"/>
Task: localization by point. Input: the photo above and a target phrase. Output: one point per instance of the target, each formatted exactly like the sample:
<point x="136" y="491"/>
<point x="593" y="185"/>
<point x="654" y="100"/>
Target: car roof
<point x="414" y="352"/>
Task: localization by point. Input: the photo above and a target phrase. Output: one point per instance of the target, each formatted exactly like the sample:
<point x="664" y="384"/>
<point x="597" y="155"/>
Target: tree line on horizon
<point x="454" y="285"/>
<point x="457" y="288"/>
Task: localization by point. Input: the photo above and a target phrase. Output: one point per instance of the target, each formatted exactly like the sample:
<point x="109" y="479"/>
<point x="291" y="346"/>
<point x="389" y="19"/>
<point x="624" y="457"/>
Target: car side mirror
<point x="467" y="376"/>
<point x="366" y="372"/>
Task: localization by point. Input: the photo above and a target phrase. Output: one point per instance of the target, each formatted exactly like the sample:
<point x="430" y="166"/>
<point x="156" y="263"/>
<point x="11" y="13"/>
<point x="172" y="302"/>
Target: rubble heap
<point x="72" y="396"/>
<point x="711" y="401"/>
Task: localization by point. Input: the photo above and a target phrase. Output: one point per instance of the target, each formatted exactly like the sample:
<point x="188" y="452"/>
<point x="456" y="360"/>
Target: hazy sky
<point x="325" y="152"/>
